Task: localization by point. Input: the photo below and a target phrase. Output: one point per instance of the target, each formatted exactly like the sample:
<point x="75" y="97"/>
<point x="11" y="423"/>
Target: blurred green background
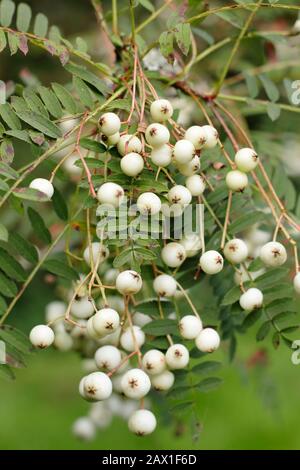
<point x="256" y="408"/>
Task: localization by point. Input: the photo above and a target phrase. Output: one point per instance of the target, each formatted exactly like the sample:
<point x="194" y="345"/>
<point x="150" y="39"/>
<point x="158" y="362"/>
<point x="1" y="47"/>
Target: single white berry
<point x="41" y="336"/>
<point x="135" y="384"/>
<point x="296" y="283"/>
<point x="113" y="139"/>
<point x="129" y="143"/>
<point x="161" y="110"/>
<point x="55" y="310"/>
<point x="173" y="254"/>
<point x="110" y="193"/>
<point x="154" y="362"/>
<point x="156" y="135"/>
<point x="132" y="164"/>
<point x="43" y="186"/>
<point x="70" y="166"/>
<point x="95" y="253"/>
<point x="246" y="159"/>
<point x="97" y="386"/>
<point x="82" y="308"/>
<point x="83" y="428"/>
<point x="190" y="326"/>
<point x="236" y="180"/>
<point x="148" y="203"/>
<point x="142" y="422"/>
<point x="183" y="151"/>
<point x="165" y="285"/>
<point x="112" y="339"/>
<point x="208" y="340"/>
<point x="106" y="321"/>
<point x="129" y="282"/>
<point x="211" y="137"/>
<point x="211" y="262"/>
<point x="273" y="254"/>
<point x="177" y="356"/>
<point x="161" y="156"/>
<point x="100" y="414"/>
<point x="132" y="337"/>
<point x="196" y="135"/>
<point x="195" y="184"/>
<point x="191" y="167"/>
<point x="236" y="251"/>
<point x="141" y="319"/>
<point x="251" y="299"/>
<point x="192" y="244"/>
<point x="110" y="276"/>
<point x="63" y="341"/>
<point x="108" y="357"/>
<point x="109" y="123"/>
<point x="179" y="194"/>
<point x="164" y="381"/>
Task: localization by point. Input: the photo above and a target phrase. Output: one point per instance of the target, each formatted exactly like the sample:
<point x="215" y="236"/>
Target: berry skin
<point x="157" y="135"/>
<point x="273" y="254"/>
<point x="132" y="164"/>
<point x="97" y="253"/>
<point x="43" y="186"/>
<point x="236" y="251"/>
<point x="246" y="159"/>
<point x="179" y="194"/>
<point x="165" y="285"/>
<point x="173" y="254"/>
<point x="191" y="167"/>
<point x="236" y="180"/>
<point x="154" y="362"/>
<point x="161" y="156"/>
<point x="109" y="123"/>
<point x="129" y="282"/>
<point x="142" y="422"/>
<point x="296" y="283"/>
<point x="190" y="326"/>
<point x="83" y="428"/>
<point x="110" y="193"/>
<point x="100" y="414"/>
<point x="108" y="357"/>
<point x="82" y="308"/>
<point x="140" y="319"/>
<point x="129" y="143"/>
<point x="208" y="340"/>
<point x="41" y="336"/>
<point x="196" y="135"/>
<point x="195" y="185"/>
<point x="211" y="262"/>
<point x="164" y="381"/>
<point x="211" y="137"/>
<point x="183" y="151"/>
<point x="192" y="244"/>
<point x="148" y="203"/>
<point x="177" y="356"/>
<point x="97" y="386"/>
<point x="135" y="384"/>
<point x="132" y="336"/>
<point x="106" y="321"/>
<point x="161" y="110"/>
<point x="251" y="299"/>
<point x="55" y="310"/>
<point x="113" y="139"/>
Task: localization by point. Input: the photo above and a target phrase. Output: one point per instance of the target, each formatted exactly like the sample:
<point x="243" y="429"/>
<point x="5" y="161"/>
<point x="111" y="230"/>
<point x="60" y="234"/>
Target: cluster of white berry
<point x="111" y="333"/>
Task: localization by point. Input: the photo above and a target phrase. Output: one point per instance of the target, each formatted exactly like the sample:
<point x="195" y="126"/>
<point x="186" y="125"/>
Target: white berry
<point x="131" y="338"/>
<point x="113" y="139"/>
<point x="55" y="310"/>
<point x="251" y="299"/>
<point x="142" y="422"/>
<point x="43" y="186"/>
<point x="148" y="203"/>
<point x="296" y="283"/>
<point x="97" y="386"/>
<point x="41" y="336"/>
<point x="108" y="357"/>
<point x="84" y="428"/>
<point x="211" y="262"/>
<point x="135" y="384"/>
<point x="82" y="308"/>
<point x="192" y="244"/>
<point x="211" y="137"/>
<point x="208" y="340"/>
<point x="161" y="156"/>
<point x="246" y="159"/>
<point x="179" y="194"/>
<point x="129" y="143"/>
<point x="109" y="123"/>
<point x="106" y="321"/>
<point x="129" y="282"/>
<point x="191" y="167"/>
<point x="195" y="184"/>
<point x="157" y="135"/>
<point x="96" y="253"/>
<point x="154" y="362"/>
<point x="164" y="381"/>
<point x="273" y="254"/>
<point x="173" y="254"/>
<point x="132" y="164"/>
<point x="236" y="251"/>
<point x="190" y="326"/>
<point x="141" y="319"/>
<point x="236" y="180"/>
<point x="161" y="110"/>
<point x="183" y="151"/>
<point x="196" y="135"/>
<point x="110" y="193"/>
<point x="165" y="285"/>
<point x="177" y="356"/>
